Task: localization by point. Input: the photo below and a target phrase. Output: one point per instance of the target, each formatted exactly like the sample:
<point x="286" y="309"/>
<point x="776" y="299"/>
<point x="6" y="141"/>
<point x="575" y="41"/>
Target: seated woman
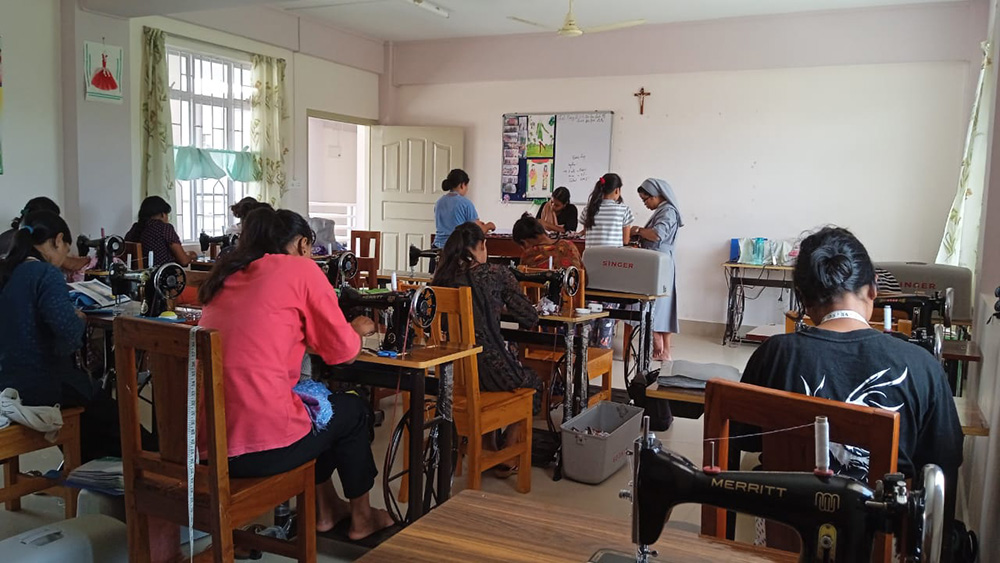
<point x="270" y="301"/>
<point x="240" y="210"/>
<point x="558" y="215"/>
<point x="494" y="291"/>
<point x="539" y="248"/>
<point x="844" y="359"/>
<point x="42" y="331"/>
<point x="154" y="231"/>
<point x="73" y="265"/>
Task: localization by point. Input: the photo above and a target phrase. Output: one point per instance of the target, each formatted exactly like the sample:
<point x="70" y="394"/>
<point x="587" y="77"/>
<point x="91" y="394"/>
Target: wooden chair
<point x="17" y="440"/>
<point x="900" y="322"/>
<point x="544" y="361"/>
<point x="875" y="430"/>
<point x="156" y="483"/>
<point x="367" y="247"/>
<point x="135" y="249"/>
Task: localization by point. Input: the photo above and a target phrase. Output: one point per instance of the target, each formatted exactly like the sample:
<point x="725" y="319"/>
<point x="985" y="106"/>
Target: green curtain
<point x="193" y="163"/>
<point x="267" y="129"/>
<point x="157" y="136"/>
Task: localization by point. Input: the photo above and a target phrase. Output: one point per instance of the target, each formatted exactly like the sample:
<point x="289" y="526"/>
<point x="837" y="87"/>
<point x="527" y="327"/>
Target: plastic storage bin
<point x="94" y="538"/>
<point x="590" y="458"/>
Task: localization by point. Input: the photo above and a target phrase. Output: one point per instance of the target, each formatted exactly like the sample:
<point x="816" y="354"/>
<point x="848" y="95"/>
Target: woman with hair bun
<point x="453" y="208"/>
<point x="842" y="358"/>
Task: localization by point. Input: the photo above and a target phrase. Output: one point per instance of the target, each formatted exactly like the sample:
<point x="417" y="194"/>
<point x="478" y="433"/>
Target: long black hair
<point x="561" y="194"/>
<point x="36" y="228"/>
<point x="456" y="257"/>
<point x="40" y="203"/>
<point x="265" y="231"/>
<point x="831" y="263"/>
<point x="151" y="207"/>
<point x="607" y="184"/>
<point x="527" y="228"/>
<point x="455" y="178"/>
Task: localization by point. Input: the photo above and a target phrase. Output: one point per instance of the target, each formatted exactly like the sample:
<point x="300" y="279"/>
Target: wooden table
<point x="961" y="351"/>
<point x="691" y="403"/>
<point x="477" y="526"/>
<point x="642" y="354"/>
<point x="739" y="276"/>
<point x="385" y="277"/>
<point x="410" y="372"/>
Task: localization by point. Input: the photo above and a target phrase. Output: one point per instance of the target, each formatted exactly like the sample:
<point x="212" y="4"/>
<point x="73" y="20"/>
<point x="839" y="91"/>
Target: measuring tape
<point x="192" y="451"/>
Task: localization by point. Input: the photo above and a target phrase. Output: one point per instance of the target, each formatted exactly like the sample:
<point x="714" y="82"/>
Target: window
<point x="209" y="109"/>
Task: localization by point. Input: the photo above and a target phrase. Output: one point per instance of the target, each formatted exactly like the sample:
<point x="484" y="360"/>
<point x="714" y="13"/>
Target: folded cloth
<point x="316" y="398"/>
<point x="694" y="375"/>
<point x="43" y="419"/>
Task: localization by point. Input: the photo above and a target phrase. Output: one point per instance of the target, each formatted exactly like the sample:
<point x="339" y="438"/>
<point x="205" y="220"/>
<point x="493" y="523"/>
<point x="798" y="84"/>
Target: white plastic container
<point x="94" y="538"/>
<point x="593" y="458"/>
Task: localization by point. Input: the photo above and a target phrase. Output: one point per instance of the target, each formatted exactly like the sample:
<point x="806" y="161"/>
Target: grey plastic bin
<point x="592" y="459"/>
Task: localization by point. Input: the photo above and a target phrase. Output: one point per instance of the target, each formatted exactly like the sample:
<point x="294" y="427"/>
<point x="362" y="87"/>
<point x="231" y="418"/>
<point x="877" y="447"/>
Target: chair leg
<point x="72" y="459"/>
<point x="404" y="483"/>
<point x="475" y="479"/>
<point x="306" y="507"/>
<point x="11" y="468"/>
<point x="524" y="465"/>
<point x="139" y="546"/>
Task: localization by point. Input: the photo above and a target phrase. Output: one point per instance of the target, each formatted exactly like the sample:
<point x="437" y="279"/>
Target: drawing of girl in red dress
<point x="103" y="79"/>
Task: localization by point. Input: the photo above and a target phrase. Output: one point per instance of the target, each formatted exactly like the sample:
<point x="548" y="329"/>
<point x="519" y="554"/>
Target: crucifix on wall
<point x="641" y="94"/>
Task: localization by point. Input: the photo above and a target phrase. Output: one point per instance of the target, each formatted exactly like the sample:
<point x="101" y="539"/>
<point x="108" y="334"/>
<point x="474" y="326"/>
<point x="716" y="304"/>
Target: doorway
<point x="338" y="173"/>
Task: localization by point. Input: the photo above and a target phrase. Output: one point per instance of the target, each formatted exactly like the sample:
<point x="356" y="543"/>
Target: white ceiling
<point x="400" y="20"/>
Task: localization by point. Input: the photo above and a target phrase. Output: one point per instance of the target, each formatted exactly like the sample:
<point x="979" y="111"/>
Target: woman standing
<point x="453" y="208"/>
<point x="660" y="234"/>
<point x="558" y="215"/>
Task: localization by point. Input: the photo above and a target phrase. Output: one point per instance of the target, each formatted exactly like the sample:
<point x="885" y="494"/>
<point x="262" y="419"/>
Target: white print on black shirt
<point x="852" y="460"/>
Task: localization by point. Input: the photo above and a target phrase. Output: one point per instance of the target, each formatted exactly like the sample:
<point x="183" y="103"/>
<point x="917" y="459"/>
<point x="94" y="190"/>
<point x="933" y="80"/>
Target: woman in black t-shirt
<point x="558" y="215"/>
<point x="844" y="359"/>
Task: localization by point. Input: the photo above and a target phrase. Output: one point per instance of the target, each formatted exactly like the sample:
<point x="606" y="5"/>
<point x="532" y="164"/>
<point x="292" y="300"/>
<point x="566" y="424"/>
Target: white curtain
<point x="267" y="130"/>
<point x="959" y="245"/>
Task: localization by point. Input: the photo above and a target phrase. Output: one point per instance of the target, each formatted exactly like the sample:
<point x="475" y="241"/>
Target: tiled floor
<point x="684" y="437"/>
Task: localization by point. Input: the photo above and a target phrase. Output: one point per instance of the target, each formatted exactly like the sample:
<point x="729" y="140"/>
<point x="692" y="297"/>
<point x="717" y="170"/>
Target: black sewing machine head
<point x="108" y="248"/>
<point x="921" y="308"/>
<point x="154" y="287"/>
<point x="400" y="308"/>
<point x="416" y="254"/>
<point x="224" y="241"/>
<point x="836" y="517"/>
<point x="556" y="281"/>
<point x="340" y="268"/>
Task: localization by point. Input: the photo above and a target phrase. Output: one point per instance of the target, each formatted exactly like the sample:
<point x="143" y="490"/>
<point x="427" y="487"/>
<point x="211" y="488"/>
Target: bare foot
<point x="328" y="517"/>
<point x="361" y="528"/>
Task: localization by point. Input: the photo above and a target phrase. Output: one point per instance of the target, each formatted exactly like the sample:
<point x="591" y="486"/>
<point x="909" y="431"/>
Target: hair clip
<point x="601" y="180"/>
<point x="29" y="228"/>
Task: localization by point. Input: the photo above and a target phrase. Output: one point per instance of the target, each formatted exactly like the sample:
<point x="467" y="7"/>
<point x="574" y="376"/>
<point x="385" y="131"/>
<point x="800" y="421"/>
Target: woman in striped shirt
<point x="606" y="220"/>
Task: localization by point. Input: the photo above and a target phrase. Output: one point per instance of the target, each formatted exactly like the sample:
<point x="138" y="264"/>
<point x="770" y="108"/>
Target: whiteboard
<point x="582" y="151"/>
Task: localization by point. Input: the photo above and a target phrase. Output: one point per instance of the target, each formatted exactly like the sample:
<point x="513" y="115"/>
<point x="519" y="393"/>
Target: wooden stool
<point x="17" y="440"/>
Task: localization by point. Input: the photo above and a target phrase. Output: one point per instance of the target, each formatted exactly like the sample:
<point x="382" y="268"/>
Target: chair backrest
<point x="367" y="248"/>
<point x="165" y="346"/>
<point x="135" y="250"/>
<point x="876" y="430"/>
<point x="534" y="290"/>
<point x="454" y="311"/>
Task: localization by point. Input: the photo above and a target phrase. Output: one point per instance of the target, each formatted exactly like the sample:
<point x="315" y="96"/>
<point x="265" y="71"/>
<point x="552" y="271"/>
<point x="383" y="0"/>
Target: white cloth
<point x="43" y="419"/>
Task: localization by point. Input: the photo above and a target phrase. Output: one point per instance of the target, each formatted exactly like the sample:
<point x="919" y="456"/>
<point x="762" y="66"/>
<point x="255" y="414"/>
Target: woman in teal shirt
<point x="453" y="208"/>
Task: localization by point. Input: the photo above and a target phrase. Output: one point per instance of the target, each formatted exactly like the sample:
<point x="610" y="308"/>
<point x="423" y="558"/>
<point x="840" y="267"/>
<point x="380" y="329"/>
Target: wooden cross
<point x="641" y="94"/>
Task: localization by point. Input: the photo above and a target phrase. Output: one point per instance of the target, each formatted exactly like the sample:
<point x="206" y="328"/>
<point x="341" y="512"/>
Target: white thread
<point x="822" y="444"/>
<point x="778" y="431"/>
<point x="192" y="451"/>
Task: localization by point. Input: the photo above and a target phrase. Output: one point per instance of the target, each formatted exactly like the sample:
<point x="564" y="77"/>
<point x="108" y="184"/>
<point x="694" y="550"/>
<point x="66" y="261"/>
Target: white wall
<point x="333" y="161"/>
<point x="750" y="153"/>
<point x="31" y="118"/>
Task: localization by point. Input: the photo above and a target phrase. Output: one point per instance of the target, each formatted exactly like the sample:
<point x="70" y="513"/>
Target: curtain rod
<point x="209" y="44"/>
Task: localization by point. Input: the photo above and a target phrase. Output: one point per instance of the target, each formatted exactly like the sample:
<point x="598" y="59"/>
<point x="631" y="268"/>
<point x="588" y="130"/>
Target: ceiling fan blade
<point x="613" y="26"/>
<point x="529" y="22"/>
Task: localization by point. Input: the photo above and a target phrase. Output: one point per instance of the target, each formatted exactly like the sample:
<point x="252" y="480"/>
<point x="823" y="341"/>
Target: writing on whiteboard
<point x="575" y="169"/>
<point x="586" y="117"/>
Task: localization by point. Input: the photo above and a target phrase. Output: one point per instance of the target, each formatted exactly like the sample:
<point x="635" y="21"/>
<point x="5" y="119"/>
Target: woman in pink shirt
<point x="270" y="301"/>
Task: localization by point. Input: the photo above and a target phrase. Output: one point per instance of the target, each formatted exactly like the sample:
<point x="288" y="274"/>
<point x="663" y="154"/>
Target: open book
<point x="96" y="291"/>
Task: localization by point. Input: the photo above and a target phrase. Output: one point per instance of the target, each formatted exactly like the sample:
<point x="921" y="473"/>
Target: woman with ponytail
<point x="34" y="204"/>
<point x="453" y="208"/>
<point x="842" y="358"/>
<point x="270" y="301"/>
<point x="606" y="220"/>
<point x="42" y="330"/>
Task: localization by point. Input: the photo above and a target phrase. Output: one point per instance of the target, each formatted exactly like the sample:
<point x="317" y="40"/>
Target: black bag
<point x="658" y="410"/>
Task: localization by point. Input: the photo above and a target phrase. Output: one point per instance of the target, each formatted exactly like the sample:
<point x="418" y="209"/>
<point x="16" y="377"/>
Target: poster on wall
<point x="527" y="168"/>
<point x="539" y="178"/>
<point x="102" y="67"/>
<point x="1" y="105"/>
<point x="541" y="136"/>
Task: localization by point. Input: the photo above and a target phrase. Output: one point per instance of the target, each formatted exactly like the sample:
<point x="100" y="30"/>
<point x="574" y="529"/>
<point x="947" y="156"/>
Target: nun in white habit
<point x="660" y="234"/>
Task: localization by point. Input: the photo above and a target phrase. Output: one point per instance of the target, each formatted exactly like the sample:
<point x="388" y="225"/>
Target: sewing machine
<point x="108" y="248"/>
<point x="628" y="270"/>
<point x="224" y="241"/>
<point x="401" y="307"/>
<point x="156" y="286"/>
<point x="922" y="278"/>
<point x="555" y="281"/>
<point x="921" y="308"/>
<point x="836" y="517"/>
<point x="340" y="268"/>
<point x="930" y="340"/>
<point x="416" y="254"/>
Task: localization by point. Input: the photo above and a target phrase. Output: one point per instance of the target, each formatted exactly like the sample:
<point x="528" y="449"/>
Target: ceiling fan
<point x="571" y="29"/>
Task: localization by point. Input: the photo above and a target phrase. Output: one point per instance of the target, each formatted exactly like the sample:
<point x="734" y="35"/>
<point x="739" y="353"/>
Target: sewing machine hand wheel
<point x="348" y="264"/>
<point x="926" y="517"/>
<point x="170" y="280"/>
<point x="115" y="245"/>
<point x="939" y="342"/>
<point x="949" y="306"/>
<point x="424" y="307"/>
<point x="571" y="281"/>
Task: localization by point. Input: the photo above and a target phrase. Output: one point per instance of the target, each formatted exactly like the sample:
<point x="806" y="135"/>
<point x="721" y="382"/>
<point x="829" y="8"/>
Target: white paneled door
<point x="407" y="166"/>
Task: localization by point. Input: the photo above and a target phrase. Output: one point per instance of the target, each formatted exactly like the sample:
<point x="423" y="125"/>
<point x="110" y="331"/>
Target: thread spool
<point x="329" y="249"/>
<point x="887" y="318"/>
<point x="392" y="283"/>
<point x="822" y="447"/>
<point x="550" y="262"/>
<point x="150" y="263"/>
<point x="128" y="261"/>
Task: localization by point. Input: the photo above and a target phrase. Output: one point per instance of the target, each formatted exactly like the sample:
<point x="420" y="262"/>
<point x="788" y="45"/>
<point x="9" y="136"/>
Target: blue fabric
<point x="39" y="335"/>
<point x="316" y="398"/>
<point x="450" y="211"/>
